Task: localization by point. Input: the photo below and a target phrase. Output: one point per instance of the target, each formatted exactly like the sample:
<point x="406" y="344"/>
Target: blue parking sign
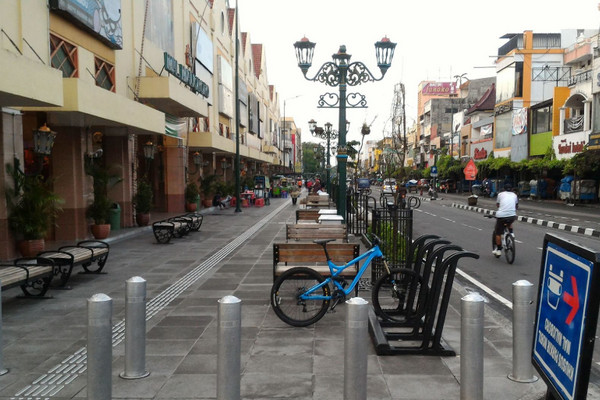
<point x="433" y="172"/>
<point x="566" y="317"/>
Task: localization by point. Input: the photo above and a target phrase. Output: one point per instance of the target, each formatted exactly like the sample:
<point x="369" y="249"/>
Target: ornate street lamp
<point x="327" y="134"/>
<point x="148" y="150"/>
<point x="43" y="140"/>
<point x="342" y="73"/>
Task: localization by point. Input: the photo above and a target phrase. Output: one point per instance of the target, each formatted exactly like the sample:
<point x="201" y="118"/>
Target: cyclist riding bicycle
<point x="507" y="203"/>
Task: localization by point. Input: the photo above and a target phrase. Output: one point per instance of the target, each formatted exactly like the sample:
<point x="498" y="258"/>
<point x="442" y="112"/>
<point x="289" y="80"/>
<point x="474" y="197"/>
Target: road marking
<point x="486" y="289"/>
<point x="474" y="227"/>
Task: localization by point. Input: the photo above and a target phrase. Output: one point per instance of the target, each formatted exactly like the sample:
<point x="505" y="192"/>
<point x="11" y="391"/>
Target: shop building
<point x="145" y="88"/>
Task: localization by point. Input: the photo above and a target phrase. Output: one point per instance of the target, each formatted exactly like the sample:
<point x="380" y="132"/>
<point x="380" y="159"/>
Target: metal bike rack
<point x="422" y="334"/>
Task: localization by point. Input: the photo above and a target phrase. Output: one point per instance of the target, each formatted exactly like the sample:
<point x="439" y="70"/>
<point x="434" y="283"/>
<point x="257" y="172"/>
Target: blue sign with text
<point x="563" y="302"/>
<point x="433" y="172"/>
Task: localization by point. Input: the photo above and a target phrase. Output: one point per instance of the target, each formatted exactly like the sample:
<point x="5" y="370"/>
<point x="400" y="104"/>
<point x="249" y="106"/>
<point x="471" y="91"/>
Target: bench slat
<point x="290" y="255"/>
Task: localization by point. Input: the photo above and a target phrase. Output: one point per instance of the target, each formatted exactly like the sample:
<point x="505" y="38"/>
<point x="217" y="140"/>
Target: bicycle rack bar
<point x="423" y="336"/>
<point x="415" y="246"/>
<point x="426" y="249"/>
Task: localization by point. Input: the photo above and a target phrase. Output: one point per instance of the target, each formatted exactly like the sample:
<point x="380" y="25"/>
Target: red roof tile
<point x="257" y="57"/>
<point x="486" y="102"/>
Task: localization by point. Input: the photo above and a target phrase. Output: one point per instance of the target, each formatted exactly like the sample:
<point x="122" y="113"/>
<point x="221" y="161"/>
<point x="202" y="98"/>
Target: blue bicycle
<point x="301" y="296"/>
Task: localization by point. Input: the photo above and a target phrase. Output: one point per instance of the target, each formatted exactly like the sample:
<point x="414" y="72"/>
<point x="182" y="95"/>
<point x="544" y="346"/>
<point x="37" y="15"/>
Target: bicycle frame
<point x="336" y="270"/>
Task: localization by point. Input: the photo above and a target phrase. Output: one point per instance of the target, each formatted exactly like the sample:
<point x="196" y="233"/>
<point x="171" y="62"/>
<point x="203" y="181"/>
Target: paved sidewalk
<point x="44" y="341"/>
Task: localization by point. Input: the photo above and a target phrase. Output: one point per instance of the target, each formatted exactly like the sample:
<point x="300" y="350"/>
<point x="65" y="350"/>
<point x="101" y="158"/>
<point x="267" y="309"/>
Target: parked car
<point x="389" y="186"/>
<point x="411" y="186"/>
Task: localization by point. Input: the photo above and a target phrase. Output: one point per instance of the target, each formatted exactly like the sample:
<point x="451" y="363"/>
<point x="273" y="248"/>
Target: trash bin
<point x="114" y="217"/>
<point x="472" y="200"/>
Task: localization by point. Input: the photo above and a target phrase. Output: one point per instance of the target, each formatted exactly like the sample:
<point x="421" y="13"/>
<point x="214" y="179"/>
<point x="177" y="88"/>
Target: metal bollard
<point x="523" y="323"/>
<point x="99" y="348"/>
<point x="3" y="370"/>
<point x="229" y="343"/>
<point x="135" y="329"/>
<point x="471" y="347"/>
<point x="355" y="349"/>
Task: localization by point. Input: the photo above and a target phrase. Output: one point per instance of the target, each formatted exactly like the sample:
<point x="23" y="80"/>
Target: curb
<point x="554" y="225"/>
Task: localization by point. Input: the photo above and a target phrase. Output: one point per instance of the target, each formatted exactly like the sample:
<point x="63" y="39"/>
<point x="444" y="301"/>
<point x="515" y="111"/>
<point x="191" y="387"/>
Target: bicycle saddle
<point x="323" y="241"/>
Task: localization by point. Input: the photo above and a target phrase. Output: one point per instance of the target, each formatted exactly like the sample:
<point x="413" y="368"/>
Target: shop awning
<point x="167" y="94"/>
<point x="86" y="104"/>
<point x="28" y="83"/>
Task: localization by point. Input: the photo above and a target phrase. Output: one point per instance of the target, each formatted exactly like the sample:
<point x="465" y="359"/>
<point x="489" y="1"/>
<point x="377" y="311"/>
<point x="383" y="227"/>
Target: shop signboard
<point x="470" y="171"/>
<point x="566" y="317"/>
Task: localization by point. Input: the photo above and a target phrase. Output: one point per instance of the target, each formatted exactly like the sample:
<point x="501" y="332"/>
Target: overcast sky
<point x="436" y="40"/>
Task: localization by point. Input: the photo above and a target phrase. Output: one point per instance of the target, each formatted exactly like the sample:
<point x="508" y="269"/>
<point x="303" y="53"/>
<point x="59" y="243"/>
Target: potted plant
<point x="142" y="201"/>
<point x="99" y="209"/>
<point x="207" y="186"/>
<point x="32" y="208"/>
<point x="192" y="194"/>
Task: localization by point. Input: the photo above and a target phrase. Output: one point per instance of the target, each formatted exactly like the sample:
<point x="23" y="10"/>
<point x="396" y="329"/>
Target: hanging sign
<point x="470" y="171"/>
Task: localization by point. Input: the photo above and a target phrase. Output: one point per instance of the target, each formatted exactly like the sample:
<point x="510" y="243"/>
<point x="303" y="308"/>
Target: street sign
<point x="470" y="171"/>
<point x="567" y="313"/>
<point x="433" y="172"/>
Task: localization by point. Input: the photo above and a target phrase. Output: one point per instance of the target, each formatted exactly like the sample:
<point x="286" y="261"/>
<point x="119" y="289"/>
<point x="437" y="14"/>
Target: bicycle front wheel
<point x="286" y="302"/>
<point x="396" y="296"/>
<point x="509" y="248"/>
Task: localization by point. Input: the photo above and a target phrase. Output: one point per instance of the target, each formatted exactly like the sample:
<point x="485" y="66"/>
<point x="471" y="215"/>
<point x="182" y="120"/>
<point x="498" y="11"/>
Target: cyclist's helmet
<point x="507" y="186"/>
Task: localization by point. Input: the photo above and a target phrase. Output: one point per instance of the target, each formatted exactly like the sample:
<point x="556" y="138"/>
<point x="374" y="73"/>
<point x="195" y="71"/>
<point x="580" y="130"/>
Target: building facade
<point x="123" y="75"/>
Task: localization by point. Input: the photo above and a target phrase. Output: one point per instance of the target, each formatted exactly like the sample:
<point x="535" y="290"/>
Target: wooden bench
<point x="309" y="214"/>
<point x="84" y="253"/>
<point x="311" y="255"/>
<point x="177" y="226"/>
<point x="32" y="274"/>
<point x="318" y="201"/>
<point x="310" y="232"/>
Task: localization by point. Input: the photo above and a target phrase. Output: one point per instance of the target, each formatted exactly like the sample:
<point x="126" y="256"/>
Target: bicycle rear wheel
<point x="286" y="302"/>
<point x="509" y="248"/>
<point x="398" y="296"/>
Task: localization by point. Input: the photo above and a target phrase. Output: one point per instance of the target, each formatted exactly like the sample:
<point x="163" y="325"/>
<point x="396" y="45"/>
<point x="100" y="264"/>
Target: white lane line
<point x="486" y="289"/>
<point x="473" y="227"/>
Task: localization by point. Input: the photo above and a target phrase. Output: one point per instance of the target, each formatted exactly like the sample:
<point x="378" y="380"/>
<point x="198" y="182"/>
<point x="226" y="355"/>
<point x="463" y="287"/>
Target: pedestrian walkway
<point x="44" y="341"/>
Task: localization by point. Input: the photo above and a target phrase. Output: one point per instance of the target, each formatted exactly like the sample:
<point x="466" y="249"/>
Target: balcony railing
<point x="540" y="41"/>
<point x="574" y="124"/>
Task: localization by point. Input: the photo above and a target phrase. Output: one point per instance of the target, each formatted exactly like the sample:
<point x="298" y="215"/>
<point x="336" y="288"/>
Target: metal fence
<point x="359" y="206"/>
<point x="394" y="226"/>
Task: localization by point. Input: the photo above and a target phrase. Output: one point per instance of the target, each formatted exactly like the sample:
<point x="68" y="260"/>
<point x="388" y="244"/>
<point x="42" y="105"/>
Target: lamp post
<point x="327" y="134"/>
<point x="341" y="73"/>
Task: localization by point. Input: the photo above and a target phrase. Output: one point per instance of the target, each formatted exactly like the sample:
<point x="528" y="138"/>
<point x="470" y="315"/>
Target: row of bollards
<point x="471" y="340"/>
<point x="99" y="343"/>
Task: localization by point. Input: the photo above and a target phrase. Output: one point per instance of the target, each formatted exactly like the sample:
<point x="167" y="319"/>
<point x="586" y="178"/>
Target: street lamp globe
<point x="304" y="53"/>
<point x="384" y="50"/>
<point x="312" y="125"/>
<point x="341" y="57"/>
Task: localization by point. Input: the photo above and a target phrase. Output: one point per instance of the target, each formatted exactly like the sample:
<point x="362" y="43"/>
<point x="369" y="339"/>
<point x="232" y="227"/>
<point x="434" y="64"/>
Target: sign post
<point x="566" y="317"/>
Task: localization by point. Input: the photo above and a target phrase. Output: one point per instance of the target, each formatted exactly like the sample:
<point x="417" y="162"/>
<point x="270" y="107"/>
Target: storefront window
<point x="596" y="114"/>
<point x="503" y="130"/>
<point x="509" y="82"/>
<point x="105" y="74"/>
<point x="63" y="56"/>
<point x="542" y="119"/>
